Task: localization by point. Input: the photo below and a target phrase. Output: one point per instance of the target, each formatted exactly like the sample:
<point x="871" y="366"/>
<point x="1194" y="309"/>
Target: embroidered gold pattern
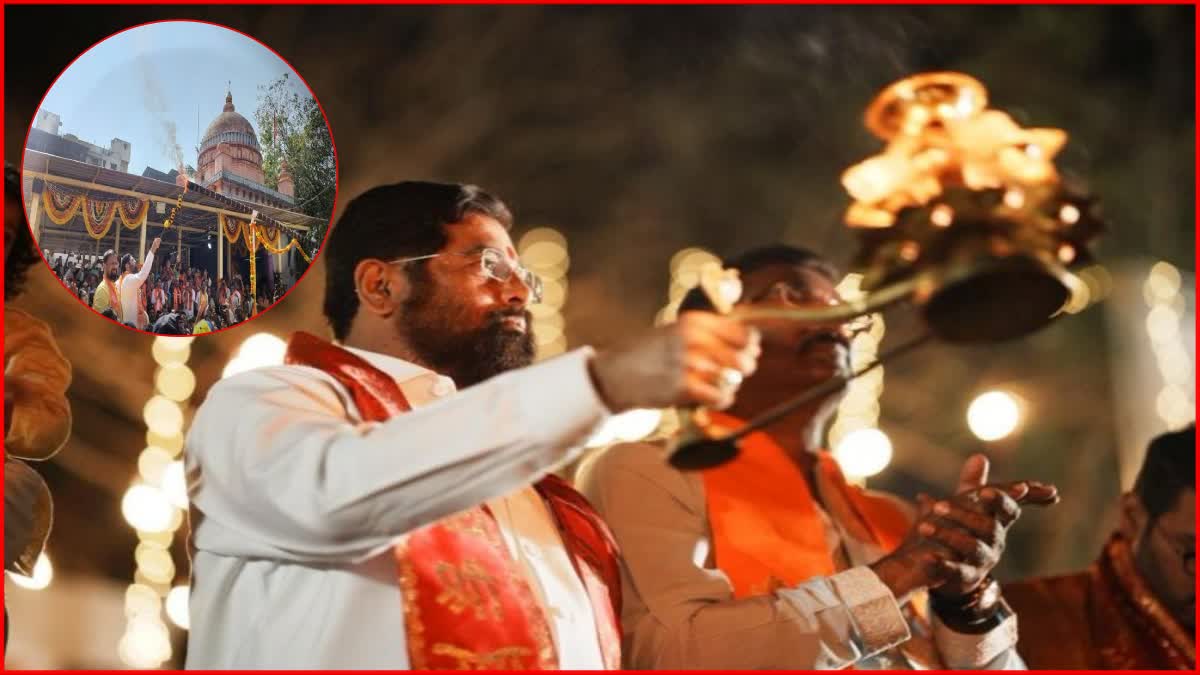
<point x="539" y="628"/>
<point x="505" y="658"/>
<point x="413" y="626"/>
<point x="468" y="522"/>
<point x="468" y="586"/>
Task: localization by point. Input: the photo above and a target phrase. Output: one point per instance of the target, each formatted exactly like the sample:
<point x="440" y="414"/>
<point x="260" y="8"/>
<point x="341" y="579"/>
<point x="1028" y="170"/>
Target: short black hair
<point x="170" y="323"/>
<point x="1168" y="471"/>
<point x="104" y="258"/>
<point x="125" y="260"/>
<point x="401" y="220"/>
<point x="24" y="252"/>
<point x="756" y="258"/>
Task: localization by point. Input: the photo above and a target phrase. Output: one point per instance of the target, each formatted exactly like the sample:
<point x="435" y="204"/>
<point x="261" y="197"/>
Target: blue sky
<point x="131" y="84"/>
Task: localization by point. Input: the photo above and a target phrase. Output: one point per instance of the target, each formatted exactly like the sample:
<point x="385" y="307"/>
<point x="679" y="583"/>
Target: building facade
<point x="46" y="136"/>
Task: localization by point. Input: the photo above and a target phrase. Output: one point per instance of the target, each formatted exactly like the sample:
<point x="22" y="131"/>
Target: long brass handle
<point x="870" y="303"/>
<point x="693" y="450"/>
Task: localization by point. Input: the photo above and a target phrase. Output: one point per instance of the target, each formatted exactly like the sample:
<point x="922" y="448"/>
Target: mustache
<point x="502" y="314"/>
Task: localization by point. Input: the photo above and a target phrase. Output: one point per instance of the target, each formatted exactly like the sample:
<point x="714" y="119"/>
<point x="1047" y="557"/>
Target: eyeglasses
<point x="494" y="265"/>
<point x="793" y="295"/>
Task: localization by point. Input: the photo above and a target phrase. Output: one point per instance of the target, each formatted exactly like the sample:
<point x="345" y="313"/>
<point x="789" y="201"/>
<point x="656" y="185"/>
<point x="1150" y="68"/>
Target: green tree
<point x="292" y="127"/>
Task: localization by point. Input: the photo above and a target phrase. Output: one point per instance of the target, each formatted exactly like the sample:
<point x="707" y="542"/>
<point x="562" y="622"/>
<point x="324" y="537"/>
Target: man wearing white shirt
<point x="355" y="509"/>
<point x="132" y="281"/>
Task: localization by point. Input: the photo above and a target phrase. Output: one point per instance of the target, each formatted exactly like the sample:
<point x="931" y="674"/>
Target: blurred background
<point x="626" y="136"/>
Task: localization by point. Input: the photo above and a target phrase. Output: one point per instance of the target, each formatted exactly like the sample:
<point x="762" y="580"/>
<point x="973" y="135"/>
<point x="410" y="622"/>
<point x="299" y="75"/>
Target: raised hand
<point x="699" y="360"/>
<point x="956" y="542"/>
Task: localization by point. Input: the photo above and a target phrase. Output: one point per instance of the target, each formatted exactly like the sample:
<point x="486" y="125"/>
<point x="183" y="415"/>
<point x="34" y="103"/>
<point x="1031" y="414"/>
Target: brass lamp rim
<point x="944" y="94"/>
<point x="918" y="287"/>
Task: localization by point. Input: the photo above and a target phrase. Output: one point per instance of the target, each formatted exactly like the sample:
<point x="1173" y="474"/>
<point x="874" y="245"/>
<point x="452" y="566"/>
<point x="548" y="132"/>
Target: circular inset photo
<point x="179" y="178"/>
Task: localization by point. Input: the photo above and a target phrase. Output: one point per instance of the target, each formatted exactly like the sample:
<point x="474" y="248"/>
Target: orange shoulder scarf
<point x="766" y="529"/>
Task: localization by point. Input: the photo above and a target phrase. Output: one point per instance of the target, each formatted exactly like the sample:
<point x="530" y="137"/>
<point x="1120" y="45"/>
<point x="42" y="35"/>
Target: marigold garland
<point x="272" y="246"/>
<point x="98" y="216"/>
<point x="133" y="211"/>
<point x="60" y="208"/>
<point x="232" y="234"/>
<point x="175" y="209"/>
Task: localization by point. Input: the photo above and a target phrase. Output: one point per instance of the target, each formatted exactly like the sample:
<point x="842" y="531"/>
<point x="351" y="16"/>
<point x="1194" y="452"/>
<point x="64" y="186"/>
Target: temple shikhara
<point x="230" y="162"/>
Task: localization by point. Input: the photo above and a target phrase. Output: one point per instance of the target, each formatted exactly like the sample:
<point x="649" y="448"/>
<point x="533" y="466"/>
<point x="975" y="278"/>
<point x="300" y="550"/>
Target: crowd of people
<point x="171" y="300"/>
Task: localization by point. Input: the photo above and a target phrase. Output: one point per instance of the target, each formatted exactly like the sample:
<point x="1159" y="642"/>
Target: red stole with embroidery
<point x="467" y="604"/>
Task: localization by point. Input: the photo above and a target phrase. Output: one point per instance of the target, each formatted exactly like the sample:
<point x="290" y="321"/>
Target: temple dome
<point x="229" y="127"/>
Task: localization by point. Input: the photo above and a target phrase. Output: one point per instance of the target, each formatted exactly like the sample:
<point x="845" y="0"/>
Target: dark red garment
<point x="1105" y="617"/>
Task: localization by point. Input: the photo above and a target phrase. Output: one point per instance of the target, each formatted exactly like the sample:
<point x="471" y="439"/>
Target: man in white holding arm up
<point x="384" y="502"/>
<point x="130" y="283"/>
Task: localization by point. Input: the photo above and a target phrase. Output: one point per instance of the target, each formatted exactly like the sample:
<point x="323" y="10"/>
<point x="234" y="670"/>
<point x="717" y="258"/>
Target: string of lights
<point x="544" y="251"/>
<point x="154" y="505"/>
<point x="1167" y="306"/>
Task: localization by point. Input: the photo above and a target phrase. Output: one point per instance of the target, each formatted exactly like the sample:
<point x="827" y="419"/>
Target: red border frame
<point x="1196" y="148"/>
<point x="332" y="142"/>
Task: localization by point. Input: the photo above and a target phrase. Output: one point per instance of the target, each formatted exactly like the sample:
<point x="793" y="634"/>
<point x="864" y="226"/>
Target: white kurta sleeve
<point x="993" y="650"/>
<point x="145" y="271"/>
<point x="276" y="469"/>
<point x="682" y="614"/>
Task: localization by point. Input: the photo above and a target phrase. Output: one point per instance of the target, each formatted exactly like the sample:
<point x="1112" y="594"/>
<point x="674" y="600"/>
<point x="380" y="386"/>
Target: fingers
<point x="701" y="391"/>
<point x="960" y="574"/>
<point x="718" y="353"/>
<point x="964" y="547"/>
<point x="1034" y="492"/>
<point x="1001" y="504"/>
<point x="730" y="331"/>
<point x="974" y="474"/>
<point x="978" y="522"/>
<point x="924" y="505"/>
<point x="707" y="347"/>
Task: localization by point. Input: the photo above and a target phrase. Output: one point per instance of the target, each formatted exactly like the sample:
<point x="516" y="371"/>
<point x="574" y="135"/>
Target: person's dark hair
<point x="104" y="258"/>
<point x="125" y="260"/>
<point x="1168" y="471"/>
<point x="774" y="254"/>
<point x="170" y="323"/>
<point x="23" y="253"/>
<point x="403" y="220"/>
<point x="108" y="313"/>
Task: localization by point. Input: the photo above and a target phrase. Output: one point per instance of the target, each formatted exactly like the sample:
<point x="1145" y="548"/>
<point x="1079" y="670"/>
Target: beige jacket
<point x="679" y="608"/>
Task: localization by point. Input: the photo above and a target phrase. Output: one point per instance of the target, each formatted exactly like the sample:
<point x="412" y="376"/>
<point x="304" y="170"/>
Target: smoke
<point x="155" y="102"/>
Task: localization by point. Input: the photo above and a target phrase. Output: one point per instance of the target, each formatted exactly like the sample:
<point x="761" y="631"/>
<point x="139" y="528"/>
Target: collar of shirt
<point x="420" y="385"/>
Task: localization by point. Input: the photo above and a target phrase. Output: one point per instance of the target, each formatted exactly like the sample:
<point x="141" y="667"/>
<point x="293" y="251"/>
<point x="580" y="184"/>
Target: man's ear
<point x="1133" y="518"/>
<point x="380" y="290"/>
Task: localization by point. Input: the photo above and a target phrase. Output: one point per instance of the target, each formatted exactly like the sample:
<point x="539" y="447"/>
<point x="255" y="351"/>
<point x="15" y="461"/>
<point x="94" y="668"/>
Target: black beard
<point x="467" y="357"/>
<point x="114" y="275"/>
